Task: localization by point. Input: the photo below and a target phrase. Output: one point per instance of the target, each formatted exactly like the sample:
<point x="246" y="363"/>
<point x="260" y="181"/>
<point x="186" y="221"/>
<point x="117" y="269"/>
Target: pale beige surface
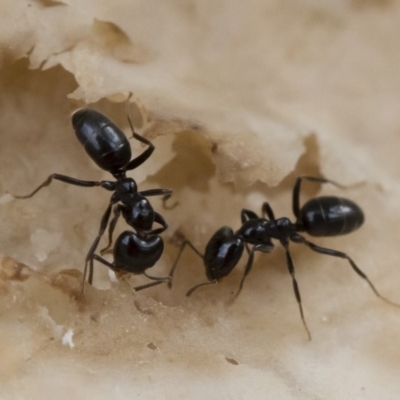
<point x="230" y="92"/>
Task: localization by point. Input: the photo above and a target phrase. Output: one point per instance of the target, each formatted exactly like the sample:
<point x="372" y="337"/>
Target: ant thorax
<point x="257" y="231"/>
<point x="125" y="187"/>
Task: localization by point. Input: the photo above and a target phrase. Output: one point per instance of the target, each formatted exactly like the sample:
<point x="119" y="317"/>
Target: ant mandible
<point x="109" y="148"/>
<point x="321" y="216"/>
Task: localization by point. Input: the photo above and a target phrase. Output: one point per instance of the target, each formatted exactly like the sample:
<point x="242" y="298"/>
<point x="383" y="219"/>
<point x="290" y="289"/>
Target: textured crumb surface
<point x="238" y="100"/>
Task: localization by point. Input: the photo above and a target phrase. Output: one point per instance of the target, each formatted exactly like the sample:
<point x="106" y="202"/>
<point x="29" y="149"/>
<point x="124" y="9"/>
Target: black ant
<point x="109" y="148"/>
<point x="321" y="216"/>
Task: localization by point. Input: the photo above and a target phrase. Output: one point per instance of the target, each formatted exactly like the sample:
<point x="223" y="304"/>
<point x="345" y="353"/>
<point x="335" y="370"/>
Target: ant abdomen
<point x="134" y="254"/>
<point x="103" y="141"/>
<point x="330" y="216"/>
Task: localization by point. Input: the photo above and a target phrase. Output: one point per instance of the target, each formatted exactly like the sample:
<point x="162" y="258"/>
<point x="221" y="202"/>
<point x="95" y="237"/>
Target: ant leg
<point x="259" y="247"/>
<point x="297" y="186"/>
<point x="136" y="289"/>
<point x="158" y="281"/>
<point x="160" y="220"/>
<point x="335" y="253"/>
<point x="103" y="261"/>
<point x="156" y="278"/>
<point x="184" y="244"/>
<point x="267" y="210"/>
<point x="156" y="192"/>
<point x="90" y="277"/>
<point x="96" y="257"/>
<point x="111" y="227"/>
<point x="90" y="255"/>
<point x="165" y="199"/>
<point x="148" y="285"/>
<point x="189" y="293"/>
<point x="72" y="181"/>
<point x="290" y="266"/>
<point x="246" y="214"/>
<point x="139" y="160"/>
<point x="249" y="265"/>
<point x="166" y="193"/>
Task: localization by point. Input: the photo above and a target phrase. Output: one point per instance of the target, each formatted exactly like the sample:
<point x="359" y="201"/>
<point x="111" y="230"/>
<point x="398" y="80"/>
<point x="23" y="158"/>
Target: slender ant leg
<point x="259" y="247"/>
<point x="148" y="285"/>
<point x="103" y="225"/>
<point x="160" y="220"/>
<point x="111" y="227"/>
<point x="72" y="181"/>
<point x="249" y="265"/>
<point x="335" y="253"/>
<point x="297" y="186"/>
<point x="157" y="280"/>
<point x="165" y="199"/>
<point x="267" y="210"/>
<point x="189" y="292"/>
<point x="296" y="290"/>
<point x="246" y="215"/>
<point x="139" y="160"/>
<point x="103" y="261"/>
<point x="156" y="192"/>
<point x="166" y="193"/>
<point x="183" y="245"/>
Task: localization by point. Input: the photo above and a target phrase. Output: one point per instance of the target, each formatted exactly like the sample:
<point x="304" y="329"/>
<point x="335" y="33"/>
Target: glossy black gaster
<point x="135" y="253"/>
<point x="321" y="216"/>
<point x="109" y="148"/>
